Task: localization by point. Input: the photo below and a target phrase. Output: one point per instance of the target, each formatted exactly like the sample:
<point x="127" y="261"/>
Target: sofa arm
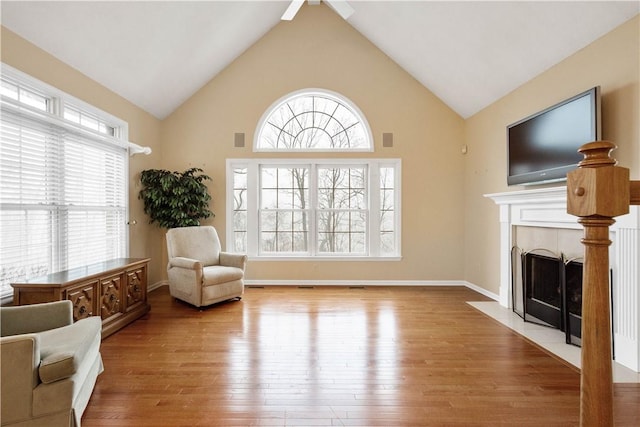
<point x="63" y="350"/>
<point x="229" y="259"/>
<point x="26" y="319"/>
<point x="20" y="356"/>
<point x="188" y="263"/>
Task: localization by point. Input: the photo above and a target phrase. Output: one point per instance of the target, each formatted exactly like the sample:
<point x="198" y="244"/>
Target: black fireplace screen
<point x="547" y="290"/>
<point x="543" y="288"/>
<point x="573" y="301"/>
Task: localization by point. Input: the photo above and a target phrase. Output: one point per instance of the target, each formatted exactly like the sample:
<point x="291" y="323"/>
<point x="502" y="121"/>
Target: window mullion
<point x="313" y="209"/>
<point x="253" y="215"/>
<point x="55" y="106"/>
<point x="374" y="209"/>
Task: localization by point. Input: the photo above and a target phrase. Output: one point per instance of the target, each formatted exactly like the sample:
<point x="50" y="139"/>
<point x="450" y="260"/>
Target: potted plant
<point x="175" y="199"/>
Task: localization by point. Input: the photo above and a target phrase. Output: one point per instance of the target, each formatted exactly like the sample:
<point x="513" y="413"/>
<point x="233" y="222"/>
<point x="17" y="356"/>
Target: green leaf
<point x="175" y="199"/>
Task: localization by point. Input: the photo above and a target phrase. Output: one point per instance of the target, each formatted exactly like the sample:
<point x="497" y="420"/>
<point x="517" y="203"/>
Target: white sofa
<point x="49" y="364"/>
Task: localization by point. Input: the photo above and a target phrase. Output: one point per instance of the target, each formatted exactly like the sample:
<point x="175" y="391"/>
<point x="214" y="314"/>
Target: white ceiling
<point x="158" y="54"/>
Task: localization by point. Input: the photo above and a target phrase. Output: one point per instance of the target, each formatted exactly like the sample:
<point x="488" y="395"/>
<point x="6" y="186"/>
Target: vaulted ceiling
<point x="158" y="54"/>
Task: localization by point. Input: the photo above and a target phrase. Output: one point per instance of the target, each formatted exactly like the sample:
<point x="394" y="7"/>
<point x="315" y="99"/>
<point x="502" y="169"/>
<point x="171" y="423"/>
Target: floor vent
<point x="357" y="287"/>
<point x="255" y="287"/>
<point x="305" y="287"/>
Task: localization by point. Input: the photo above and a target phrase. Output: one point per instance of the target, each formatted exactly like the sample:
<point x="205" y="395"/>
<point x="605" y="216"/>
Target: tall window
<point x="342" y="211"/>
<point x="63" y="182"/>
<point x="312" y="207"/>
<point x="283" y="214"/>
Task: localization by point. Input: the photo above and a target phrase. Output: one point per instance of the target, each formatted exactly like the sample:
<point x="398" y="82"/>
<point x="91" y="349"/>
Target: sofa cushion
<point x="219" y="274"/>
<point x="62" y="350"/>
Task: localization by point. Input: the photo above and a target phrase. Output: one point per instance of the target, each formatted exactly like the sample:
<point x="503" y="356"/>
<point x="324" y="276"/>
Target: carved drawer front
<point x="110" y="302"/>
<point x="115" y="290"/>
<point x="136" y="284"/>
<point x="83" y="298"/>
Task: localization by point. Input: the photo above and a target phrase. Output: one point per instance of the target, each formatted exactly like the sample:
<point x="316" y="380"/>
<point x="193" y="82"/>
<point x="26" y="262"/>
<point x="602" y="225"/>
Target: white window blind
<point x="63" y="198"/>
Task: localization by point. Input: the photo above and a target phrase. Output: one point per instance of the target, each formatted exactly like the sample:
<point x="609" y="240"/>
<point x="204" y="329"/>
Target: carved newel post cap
<point x="598" y="187"/>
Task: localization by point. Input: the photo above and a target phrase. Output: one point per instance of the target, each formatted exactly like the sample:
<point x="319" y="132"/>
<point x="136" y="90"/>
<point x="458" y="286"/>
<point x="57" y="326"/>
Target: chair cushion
<point x="200" y="243"/>
<point x="62" y="350"/>
<point x="217" y="274"/>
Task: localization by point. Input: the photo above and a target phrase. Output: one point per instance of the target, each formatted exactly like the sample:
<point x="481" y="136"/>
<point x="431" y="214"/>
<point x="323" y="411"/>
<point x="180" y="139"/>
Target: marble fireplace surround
<point x="547" y="208"/>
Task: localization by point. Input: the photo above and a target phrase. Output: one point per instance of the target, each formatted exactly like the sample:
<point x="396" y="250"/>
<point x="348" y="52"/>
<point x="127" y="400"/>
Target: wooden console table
<point x="116" y="290"/>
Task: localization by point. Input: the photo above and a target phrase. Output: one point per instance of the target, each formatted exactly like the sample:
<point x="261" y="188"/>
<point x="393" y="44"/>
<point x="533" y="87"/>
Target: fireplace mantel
<point x="547" y="207"/>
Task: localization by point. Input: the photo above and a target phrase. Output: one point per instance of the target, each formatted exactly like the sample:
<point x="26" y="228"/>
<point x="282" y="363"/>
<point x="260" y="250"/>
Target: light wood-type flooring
<point x="325" y="356"/>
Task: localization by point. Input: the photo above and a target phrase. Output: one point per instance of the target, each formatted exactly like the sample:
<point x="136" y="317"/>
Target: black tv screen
<point x="544" y="146"/>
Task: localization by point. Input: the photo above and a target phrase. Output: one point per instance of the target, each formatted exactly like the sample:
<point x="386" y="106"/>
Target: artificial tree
<point x="175" y="199"/>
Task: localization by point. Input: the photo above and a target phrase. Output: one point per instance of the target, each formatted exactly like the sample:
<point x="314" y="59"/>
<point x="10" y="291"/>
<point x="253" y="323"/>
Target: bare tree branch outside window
<point x="313" y="122"/>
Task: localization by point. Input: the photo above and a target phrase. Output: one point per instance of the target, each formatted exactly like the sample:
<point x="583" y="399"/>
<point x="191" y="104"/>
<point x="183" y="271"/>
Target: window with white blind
<point x="63" y="182"/>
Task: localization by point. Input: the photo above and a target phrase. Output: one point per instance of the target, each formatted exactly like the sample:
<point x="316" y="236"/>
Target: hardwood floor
<point x="286" y="356"/>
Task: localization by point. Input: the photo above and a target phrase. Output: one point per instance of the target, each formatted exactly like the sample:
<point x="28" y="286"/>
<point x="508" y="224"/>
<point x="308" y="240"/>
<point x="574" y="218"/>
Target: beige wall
<point x="320" y="50"/>
<point x="143" y="129"/>
<point x="446" y="219"/>
<point x="612" y="62"/>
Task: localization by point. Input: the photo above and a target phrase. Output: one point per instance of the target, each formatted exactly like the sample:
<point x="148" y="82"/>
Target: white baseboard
<point x="357" y="283"/>
<point x="482" y="291"/>
<point x="157" y="285"/>
<point x="354" y="283"/>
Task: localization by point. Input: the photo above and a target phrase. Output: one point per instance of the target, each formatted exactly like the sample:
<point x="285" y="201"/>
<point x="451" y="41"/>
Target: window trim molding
<point x="313" y="91"/>
<point x="55" y="114"/>
<point x="253" y="166"/>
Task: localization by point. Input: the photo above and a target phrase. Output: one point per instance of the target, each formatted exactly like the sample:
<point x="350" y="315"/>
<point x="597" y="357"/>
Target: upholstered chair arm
<point x="20" y="356"/>
<point x="27" y="319"/>
<point x="188" y="263"/>
<point x="229" y="259"/>
<point x="185" y="278"/>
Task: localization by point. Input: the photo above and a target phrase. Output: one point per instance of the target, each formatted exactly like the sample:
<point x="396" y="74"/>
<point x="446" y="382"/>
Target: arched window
<point x="309" y="207"/>
<point x="313" y="120"/>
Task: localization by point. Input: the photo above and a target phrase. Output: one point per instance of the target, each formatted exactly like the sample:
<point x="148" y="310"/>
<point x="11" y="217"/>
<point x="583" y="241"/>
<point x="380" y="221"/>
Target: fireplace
<point x="545" y="210"/>
<point x="550" y="288"/>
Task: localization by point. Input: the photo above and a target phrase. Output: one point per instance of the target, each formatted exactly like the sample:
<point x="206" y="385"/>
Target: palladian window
<point x="319" y="208"/>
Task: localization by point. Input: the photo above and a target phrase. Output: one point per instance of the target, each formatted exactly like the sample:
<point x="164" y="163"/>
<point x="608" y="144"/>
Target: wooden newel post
<point x="596" y="192"/>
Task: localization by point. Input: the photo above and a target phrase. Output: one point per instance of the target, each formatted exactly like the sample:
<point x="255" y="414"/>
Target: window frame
<point x="373" y="244"/>
<point x="334" y="96"/>
<point x="58" y="102"/>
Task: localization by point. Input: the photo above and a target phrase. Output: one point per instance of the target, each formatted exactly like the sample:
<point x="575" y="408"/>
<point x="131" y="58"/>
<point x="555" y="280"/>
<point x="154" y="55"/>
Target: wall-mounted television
<point x="544" y="146"/>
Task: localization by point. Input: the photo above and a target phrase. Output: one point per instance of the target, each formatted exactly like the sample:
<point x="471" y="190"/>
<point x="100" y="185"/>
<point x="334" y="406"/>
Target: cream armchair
<point x="49" y="364"/>
<point x="199" y="272"/>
